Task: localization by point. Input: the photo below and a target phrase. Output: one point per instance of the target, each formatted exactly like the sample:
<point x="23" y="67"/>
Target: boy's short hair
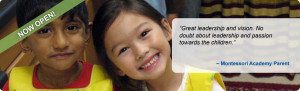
<point x="27" y="10"/>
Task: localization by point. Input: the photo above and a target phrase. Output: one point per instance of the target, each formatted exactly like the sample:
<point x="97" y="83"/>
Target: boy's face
<point x="59" y="44"/>
<point x="138" y="46"/>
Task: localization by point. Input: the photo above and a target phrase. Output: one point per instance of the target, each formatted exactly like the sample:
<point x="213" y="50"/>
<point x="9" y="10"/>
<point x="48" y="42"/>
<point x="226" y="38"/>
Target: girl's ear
<point x="25" y="46"/>
<point x="167" y="28"/>
<point x="120" y="73"/>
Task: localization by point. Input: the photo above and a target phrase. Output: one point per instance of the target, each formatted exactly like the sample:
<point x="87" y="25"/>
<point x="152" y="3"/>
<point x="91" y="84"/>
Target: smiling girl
<point x="132" y="40"/>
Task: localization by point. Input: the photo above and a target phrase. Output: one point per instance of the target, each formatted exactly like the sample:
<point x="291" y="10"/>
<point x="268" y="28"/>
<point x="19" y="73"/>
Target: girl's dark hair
<point x="105" y="16"/>
<point x="27" y="10"/>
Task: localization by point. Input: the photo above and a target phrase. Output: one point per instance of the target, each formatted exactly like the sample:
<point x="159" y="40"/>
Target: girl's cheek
<point x="127" y="57"/>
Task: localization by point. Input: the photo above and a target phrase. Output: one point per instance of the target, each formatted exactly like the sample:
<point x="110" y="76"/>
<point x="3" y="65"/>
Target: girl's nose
<point x="141" y="50"/>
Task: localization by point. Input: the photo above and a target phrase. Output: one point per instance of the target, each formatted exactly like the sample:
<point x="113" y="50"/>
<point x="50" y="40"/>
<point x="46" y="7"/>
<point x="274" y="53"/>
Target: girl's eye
<point x="123" y="50"/>
<point x="72" y="27"/>
<point x="44" y="31"/>
<point x="143" y="34"/>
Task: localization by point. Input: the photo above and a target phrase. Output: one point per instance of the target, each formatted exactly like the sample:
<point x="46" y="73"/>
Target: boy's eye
<point x="44" y="31"/>
<point x="72" y="27"/>
<point x="123" y="50"/>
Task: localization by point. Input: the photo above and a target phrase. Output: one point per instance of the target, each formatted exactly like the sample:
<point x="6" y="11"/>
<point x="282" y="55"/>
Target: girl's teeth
<point x="151" y="62"/>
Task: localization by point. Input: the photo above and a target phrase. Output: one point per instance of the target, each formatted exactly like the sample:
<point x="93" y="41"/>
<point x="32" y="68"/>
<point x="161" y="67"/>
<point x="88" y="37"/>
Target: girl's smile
<point x="150" y="63"/>
<point x="133" y="41"/>
<point x="138" y="46"/>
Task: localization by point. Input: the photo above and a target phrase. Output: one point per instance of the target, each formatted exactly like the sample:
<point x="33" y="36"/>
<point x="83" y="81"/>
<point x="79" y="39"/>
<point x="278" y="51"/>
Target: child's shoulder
<point x="20" y="75"/>
<point x="22" y="70"/>
<point x="201" y="76"/>
<point x="92" y="67"/>
<point x="99" y="78"/>
<point x="96" y="72"/>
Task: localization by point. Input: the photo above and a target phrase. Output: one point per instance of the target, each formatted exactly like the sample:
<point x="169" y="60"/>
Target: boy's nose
<point x="141" y="50"/>
<point x="60" y="42"/>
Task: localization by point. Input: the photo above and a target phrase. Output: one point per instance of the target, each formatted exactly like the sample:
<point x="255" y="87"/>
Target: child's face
<point x="138" y="46"/>
<point x="59" y="44"/>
